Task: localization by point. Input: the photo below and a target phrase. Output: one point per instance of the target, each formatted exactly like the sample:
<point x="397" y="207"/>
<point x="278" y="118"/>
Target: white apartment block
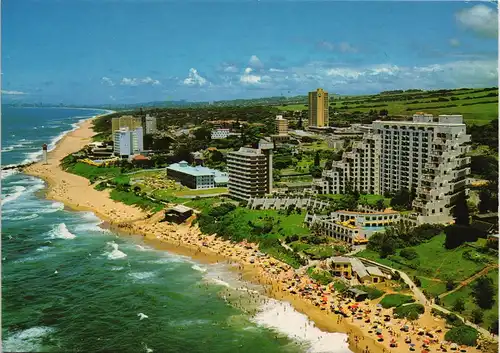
<point x="128" y="142"/>
<point x="217" y="134"/>
<point x="426" y="155"/>
<point x="250" y="171"/>
<point x="150" y="125"/>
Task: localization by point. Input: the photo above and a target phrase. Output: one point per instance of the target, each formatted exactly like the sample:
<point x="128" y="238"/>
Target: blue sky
<point x="111" y="51"/>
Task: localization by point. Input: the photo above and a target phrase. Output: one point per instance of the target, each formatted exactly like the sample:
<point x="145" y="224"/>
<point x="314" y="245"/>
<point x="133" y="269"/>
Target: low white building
<point x="128" y="142"/>
<point x="220" y="134"/>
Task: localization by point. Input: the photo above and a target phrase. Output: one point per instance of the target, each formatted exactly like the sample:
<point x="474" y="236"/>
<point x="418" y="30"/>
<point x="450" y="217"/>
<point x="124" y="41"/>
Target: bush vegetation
<point x="395" y="300"/>
<point x="411" y="311"/>
<point x="462" y="334"/>
<point x="373" y="293"/>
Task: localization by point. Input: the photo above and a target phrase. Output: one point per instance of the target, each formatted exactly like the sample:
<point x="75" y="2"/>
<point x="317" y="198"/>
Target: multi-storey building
<point x="281" y="125"/>
<point x="251" y="171"/>
<point x="426" y="155"/>
<point x="318" y="108"/>
<point x="127" y="142"/>
<point x="127" y="121"/>
<point x="150" y="125"/>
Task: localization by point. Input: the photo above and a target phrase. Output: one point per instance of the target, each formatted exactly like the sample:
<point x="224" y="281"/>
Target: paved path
<point x="483" y="331"/>
<point x="470" y="279"/>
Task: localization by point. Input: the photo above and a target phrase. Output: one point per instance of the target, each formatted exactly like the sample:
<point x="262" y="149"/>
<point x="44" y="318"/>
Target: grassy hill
<point x="478" y="106"/>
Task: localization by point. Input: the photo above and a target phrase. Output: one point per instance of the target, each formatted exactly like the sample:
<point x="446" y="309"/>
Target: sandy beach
<point x="279" y="279"/>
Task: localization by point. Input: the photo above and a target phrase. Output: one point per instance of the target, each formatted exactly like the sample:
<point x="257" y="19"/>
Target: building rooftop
<point x="340" y="259"/>
<point x="375" y="271"/>
<point x="245" y="151"/>
<point x="184" y="167"/>
<point x="180" y="209"/>
<point x="359" y="268"/>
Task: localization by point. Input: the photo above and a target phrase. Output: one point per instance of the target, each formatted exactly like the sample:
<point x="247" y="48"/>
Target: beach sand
<point x="77" y="193"/>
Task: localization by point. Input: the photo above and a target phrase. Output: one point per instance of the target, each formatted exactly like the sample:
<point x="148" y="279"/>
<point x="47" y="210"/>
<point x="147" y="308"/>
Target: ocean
<point x="69" y="285"/>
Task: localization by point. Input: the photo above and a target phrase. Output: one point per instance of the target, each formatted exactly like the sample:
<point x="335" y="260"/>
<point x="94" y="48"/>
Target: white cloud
<point x="149" y="80"/>
<point x="326" y="45"/>
<point x="14" y="93"/>
<point x="107" y="81"/>
<point x="345" y="47"/>
<point x="230" y="68"/>
<point x="255" y="62"/>
<point x="129" y="81"/>
<point x="481" y="19"/>
<point x="139" y="81"/>
<point x="249" y="78"/>
<point x="276" y="70"/>
<point x="454" y="42"/>
<point x="194" y="78"/>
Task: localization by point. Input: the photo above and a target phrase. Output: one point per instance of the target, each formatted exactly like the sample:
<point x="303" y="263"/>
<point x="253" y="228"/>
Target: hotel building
<point x="196" y="177"/>
<point x="281" y="125"/>
<point x="318" y="108"/>
<point x="128" y="142"/>
<point x="127" y="121"/>
<point x="251" y="171"/>
<point x="426" y="155"/>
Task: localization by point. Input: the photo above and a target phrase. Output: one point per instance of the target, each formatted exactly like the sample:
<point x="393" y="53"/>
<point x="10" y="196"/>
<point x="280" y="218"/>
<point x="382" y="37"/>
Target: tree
<point x="383" y="112"/>
<point x="402" y="200"/>
<point x="494" y="326"/>
<point x="408" y="253"/>
<point x="459" y="305"/>
<point x="380" y="204"/>
<point x="316" y="159"/>
<point x="456" y="235"/>
<point x="202" y="134"/>
<point x="461" y="211"/>
<point x="477" y="316"/>
<point x="417" y="281"/>
<point x="450" y="284"/>
<point x="484" y="292"/>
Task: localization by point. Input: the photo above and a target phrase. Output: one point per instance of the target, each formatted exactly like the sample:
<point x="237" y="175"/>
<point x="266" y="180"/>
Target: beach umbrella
<point x="412" y="344"/>
<point x="425" y="351"/>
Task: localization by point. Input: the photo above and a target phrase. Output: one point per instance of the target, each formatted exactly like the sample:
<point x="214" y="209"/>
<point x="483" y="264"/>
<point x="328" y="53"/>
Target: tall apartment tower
<point x="150" y="125"/>
<point x="426" y="155"/>
<point x="128" y="142"/>
<point x="318" y="108"/>
<point x="127" y="121"/>
<point x="250" y="171"/>
<point x="281" y="125"/>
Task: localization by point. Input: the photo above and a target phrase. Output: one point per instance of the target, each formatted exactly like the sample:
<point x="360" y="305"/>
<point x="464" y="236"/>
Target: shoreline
<point x="77" y="194"/>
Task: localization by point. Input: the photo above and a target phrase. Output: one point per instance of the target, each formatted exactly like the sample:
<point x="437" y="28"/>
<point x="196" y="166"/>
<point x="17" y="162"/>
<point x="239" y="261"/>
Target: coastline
<point x="76" y="193"/>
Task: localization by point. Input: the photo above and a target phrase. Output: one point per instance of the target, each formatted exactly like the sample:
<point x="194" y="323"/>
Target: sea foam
<point x="27" y="340"/>
<point x="115" y="254"/>
<point x="17" y="191"/>
<point x="282" y="317"/>
<point x="60" y="231"/>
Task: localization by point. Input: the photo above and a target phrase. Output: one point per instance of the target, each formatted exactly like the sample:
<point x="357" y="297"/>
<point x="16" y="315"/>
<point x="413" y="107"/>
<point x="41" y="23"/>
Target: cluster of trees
<point x="401" y="236"/>
<point x="227" y="221"/>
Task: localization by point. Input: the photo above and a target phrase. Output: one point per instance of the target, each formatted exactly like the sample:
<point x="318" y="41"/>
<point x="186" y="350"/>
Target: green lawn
<point x="291" y="225"/>
<point x="292" y="107"/>
<point x="90" y="171"/>
<point x="191" y="192"/>
<point x="433" y="287"/>
<point x="435" y="262"/>
<point x="465" y="293"/>
<point x="129" y="198"/>
<point x="204" y="204"/>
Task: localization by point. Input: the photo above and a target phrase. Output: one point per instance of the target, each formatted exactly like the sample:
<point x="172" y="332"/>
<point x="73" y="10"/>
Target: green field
<point x="93" y="172"/>
<point x="490" y="315"/>
<point x="435" y="264"/>
<point x="474" y="104"/>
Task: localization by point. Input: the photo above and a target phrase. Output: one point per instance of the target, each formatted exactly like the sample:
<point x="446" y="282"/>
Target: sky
<point x="131" y="51"/>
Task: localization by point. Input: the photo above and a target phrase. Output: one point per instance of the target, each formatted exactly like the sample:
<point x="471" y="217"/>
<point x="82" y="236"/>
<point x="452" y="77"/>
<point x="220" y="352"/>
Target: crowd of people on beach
<point x="364" y="320"/>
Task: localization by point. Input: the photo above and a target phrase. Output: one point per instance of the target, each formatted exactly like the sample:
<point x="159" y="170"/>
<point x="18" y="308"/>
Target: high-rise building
<point x="318" y="108"/>
<point x="150" y="125"/>
<point x="281" y="125"/>
<point x="128" y="142"/>
<point x="250" y="171"/>
<point x="425" y="156"/>
<point x="127" y="121"/>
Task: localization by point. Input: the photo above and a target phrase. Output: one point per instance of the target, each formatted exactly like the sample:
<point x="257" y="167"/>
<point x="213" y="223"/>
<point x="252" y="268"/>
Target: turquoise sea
<point x="70" y="286"/>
